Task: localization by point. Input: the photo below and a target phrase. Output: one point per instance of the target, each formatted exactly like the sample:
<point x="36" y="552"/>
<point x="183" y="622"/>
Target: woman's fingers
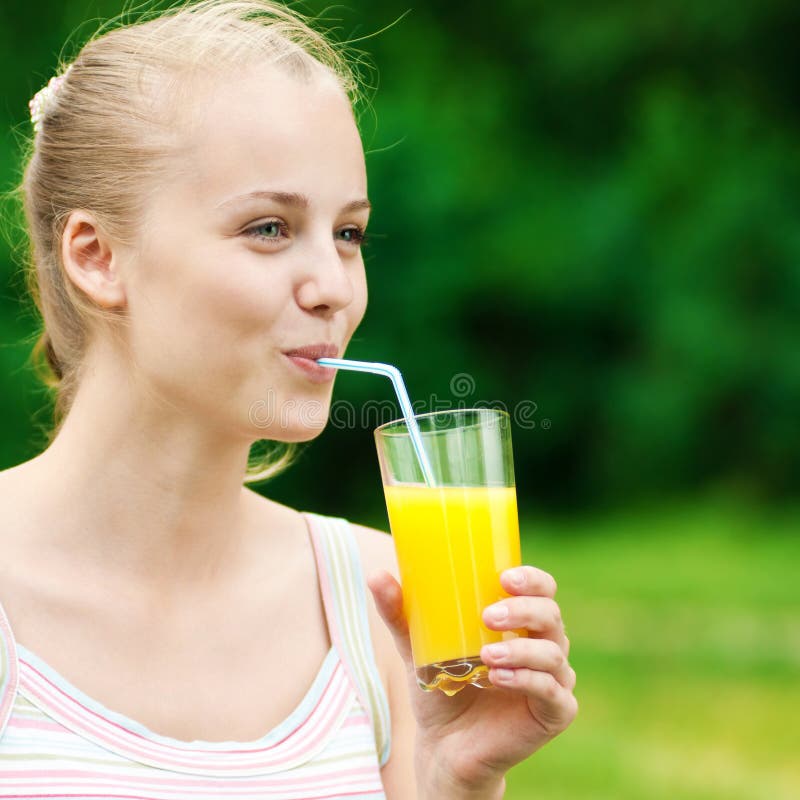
<point x="389" y="602"/>
<point x="529" y="581"/>
<point x="539" y="615"/>
<point x="551" y="704"/>
<point x="540" y="655"/>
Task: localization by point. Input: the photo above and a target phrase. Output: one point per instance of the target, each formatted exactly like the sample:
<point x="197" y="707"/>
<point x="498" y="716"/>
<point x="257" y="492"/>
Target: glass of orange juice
<point x="453" y="536"/>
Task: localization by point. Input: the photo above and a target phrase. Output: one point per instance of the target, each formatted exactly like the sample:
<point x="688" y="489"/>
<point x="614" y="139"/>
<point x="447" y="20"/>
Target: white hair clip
<point x="43" y="98"/>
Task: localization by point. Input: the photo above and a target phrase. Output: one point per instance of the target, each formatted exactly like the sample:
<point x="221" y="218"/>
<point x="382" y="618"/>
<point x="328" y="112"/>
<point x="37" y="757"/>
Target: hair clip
<point x="44" y="97"/>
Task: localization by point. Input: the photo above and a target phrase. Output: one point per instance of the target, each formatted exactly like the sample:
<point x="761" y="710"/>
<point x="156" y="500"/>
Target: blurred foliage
<point x="591" y="206"/>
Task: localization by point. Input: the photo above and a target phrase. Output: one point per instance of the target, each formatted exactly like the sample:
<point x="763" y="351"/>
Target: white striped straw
<point x="402" y="395"/>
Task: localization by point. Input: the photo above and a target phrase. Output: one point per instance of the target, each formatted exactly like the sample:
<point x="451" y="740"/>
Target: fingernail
<point x="504" y="675"/>
<point x="515" y="577"/>
<point x="499" y="650"/>
<point x="497" y="612"/>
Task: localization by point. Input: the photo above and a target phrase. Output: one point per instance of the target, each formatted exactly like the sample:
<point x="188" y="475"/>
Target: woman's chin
<point x="288" y="421"/>
<point x="294" y="431"/>
<point x="305" y="434"/>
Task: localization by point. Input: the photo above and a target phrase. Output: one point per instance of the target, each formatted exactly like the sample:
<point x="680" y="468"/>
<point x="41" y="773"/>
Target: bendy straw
<point x="402" y="396"/>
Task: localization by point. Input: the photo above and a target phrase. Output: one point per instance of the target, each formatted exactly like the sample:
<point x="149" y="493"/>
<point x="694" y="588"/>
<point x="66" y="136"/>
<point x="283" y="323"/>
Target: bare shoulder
<point x="376" y="549"/>
<point x="377" y="553"/>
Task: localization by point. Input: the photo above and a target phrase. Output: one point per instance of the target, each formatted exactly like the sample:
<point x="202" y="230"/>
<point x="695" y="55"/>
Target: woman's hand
<point x="466" y="743"/>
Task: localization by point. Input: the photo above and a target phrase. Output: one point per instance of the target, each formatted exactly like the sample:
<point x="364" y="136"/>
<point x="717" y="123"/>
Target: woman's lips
<point x="313" y="371"/>
<point x="305" y="359"/>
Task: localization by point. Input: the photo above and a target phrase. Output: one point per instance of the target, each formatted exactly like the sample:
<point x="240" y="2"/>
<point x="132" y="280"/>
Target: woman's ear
<point x="90" y="262"/>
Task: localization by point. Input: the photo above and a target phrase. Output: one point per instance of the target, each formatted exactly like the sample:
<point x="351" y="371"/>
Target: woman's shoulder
<point x="376" y="548"/>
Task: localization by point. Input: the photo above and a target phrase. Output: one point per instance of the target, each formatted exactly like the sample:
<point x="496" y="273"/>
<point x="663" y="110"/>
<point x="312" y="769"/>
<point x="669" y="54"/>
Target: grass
<point x="685" y="632"/>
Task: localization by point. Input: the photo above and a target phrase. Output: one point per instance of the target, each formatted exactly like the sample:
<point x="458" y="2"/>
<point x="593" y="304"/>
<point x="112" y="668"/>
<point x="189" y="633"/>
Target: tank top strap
<point x="9" y="670"/>
<point x="343" y="590"/>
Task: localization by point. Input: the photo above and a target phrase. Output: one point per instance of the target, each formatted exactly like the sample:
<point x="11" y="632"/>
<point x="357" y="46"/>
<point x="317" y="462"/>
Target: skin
<point x="212" y="293"/>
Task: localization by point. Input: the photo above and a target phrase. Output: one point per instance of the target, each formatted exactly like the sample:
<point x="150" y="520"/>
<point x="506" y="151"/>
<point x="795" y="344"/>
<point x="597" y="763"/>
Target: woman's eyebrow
<point x="290" y="199"/>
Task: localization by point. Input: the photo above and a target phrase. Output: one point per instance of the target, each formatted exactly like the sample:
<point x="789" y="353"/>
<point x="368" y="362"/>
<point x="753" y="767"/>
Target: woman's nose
<point x="326" y="283"/>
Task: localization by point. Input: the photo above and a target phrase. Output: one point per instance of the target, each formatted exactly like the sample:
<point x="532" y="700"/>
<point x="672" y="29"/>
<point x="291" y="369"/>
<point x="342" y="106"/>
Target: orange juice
<point x="452" y="544"/>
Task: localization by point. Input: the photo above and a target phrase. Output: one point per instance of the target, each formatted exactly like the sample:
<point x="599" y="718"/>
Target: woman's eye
<point x="276" y="229"/>
<point x="353" y="235"/>
<point x="271" y="229"/>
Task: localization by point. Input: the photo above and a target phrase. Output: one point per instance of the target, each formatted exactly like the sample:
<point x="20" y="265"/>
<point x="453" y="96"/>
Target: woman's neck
<point x="140" y="491"/>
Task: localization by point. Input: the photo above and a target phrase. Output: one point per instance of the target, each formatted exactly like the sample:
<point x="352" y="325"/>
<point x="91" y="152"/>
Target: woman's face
<point x="250" y="251"/>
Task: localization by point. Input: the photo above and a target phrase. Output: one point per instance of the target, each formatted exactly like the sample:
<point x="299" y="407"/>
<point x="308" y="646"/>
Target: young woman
<point x="196" y="198"/>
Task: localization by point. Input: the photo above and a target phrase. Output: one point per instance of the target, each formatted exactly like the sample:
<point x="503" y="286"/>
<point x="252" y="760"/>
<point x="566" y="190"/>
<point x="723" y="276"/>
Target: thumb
<point x="388" y="596"/>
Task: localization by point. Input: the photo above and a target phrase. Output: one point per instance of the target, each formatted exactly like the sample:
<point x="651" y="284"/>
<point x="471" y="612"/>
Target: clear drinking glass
<point x="452" y="539"/>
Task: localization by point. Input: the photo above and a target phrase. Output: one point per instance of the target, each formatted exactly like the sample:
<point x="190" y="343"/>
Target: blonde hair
<point x="106" y="135"/>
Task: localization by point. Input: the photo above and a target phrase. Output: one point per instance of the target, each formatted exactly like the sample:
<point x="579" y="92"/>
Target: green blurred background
<point x="587" y="212"/>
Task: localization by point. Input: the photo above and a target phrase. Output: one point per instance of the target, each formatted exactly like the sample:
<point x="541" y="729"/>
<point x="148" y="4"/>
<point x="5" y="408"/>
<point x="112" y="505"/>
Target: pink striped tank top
<point x="56" y="742"/>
